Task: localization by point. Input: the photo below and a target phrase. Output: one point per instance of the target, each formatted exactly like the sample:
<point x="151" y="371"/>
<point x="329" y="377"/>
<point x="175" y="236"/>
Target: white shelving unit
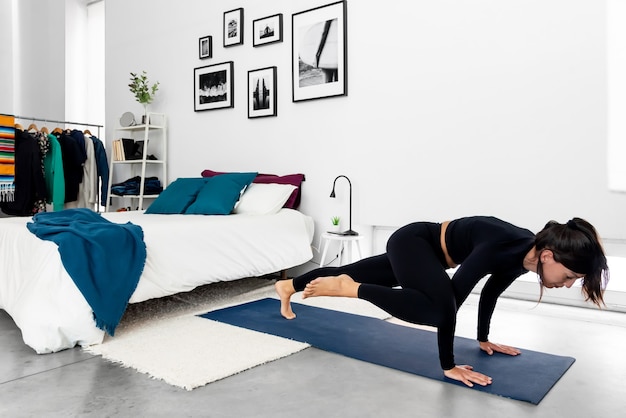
<point x="154" y="135"/>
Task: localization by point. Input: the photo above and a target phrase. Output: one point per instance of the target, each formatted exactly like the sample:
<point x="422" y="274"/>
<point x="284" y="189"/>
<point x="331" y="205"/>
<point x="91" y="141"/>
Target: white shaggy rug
<point x="166" y="340"/>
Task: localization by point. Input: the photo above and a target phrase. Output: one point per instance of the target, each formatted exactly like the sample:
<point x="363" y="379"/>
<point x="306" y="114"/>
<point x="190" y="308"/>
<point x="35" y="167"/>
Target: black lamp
<point x="332" y="194"/>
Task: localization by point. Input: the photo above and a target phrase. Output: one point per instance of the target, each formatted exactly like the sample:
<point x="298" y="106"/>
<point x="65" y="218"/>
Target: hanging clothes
<point x="102" y="168"/>
<point x="74" y="156"/>
<point x="53" y="174"/>
<point x="87" y="188"/>
<point x="69" y="164"/>
<point x="7" y="158"/>
<point x="44" y="148"/>
<point x="30" y="186"/>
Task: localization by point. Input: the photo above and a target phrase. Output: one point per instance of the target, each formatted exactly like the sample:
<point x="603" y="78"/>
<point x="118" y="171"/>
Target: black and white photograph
<point x="267" y="30"/>
<point x="319" y="46"/>
<point x="213" y="87"/>
<point x="262" y="92"/>
<point x="206" y="47"/>
<point x="233" y="27"/>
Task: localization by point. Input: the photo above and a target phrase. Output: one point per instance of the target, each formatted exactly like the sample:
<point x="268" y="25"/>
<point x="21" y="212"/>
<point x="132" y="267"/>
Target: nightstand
<point x="346" y="242"/>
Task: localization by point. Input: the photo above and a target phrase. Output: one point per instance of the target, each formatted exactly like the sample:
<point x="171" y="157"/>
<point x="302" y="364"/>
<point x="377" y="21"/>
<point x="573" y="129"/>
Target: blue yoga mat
<point x="527" y="377"/>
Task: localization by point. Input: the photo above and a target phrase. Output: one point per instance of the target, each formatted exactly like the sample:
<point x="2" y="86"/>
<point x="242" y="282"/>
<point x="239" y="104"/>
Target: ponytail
<point x="576" y="245"/>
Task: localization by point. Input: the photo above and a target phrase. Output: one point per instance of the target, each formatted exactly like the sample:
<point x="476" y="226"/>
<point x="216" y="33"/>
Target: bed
<point x="183" y="251"/>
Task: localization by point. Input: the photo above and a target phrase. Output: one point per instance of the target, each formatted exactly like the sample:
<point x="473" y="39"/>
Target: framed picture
<point x="262" y="92"/>
<point x="267" y="30"/>
<point x="206" y="47"/>
<point x="319" y="50"/>
<point x="213" y="87"/>
<point x="233" y="27"/>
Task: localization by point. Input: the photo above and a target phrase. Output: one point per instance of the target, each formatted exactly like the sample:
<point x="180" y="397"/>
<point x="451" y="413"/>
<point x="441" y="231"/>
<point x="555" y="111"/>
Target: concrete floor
<point x="313" y="383"/>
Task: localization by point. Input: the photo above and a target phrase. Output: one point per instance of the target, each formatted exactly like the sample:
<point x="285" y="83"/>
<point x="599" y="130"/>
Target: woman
<point x="410" y="281"/>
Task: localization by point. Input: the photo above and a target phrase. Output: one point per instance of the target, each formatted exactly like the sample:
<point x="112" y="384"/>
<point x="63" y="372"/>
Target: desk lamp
<point x="332" y="194"/>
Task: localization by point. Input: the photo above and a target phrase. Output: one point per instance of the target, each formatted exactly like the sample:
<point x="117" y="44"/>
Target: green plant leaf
<point x="141" y="89"/>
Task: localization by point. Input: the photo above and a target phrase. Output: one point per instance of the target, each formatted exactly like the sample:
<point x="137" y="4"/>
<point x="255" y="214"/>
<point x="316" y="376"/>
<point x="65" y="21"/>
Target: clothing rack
<point x="64" y="122"/>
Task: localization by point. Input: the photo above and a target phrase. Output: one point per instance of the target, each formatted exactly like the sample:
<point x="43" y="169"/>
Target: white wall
<point x="454" y="107"/>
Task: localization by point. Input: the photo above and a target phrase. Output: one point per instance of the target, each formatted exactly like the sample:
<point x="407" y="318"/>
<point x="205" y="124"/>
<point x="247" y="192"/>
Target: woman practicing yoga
<point x="410" y="281"/>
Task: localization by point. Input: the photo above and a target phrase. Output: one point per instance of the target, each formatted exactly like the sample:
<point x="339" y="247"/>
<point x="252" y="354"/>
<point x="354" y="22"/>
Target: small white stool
<point x="345" y="242"/>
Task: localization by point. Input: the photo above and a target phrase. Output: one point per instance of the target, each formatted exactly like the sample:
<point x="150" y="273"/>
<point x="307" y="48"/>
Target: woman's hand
<point x="490" y="348"/>
<point x="467" y="375"/>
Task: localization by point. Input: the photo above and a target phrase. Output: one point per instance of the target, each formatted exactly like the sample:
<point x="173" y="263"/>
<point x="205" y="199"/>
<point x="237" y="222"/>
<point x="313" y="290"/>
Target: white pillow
<point x="264" y="198"/>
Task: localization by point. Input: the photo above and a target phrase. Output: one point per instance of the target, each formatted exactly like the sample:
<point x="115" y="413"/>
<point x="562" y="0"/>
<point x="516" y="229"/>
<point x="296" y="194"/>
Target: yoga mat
<point x="527" y="377"/>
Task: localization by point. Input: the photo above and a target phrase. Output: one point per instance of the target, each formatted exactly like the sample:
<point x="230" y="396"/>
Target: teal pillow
<point x="220" y="193"/>
<point x="177" y="197"/>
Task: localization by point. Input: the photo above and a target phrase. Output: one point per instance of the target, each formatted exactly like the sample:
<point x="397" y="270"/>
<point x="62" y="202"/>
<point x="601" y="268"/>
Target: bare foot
<point x="341" y="285"/>
<point x="284" y="289"/>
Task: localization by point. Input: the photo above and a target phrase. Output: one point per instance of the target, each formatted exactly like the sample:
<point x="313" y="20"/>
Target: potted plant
<point x="335" y="220"/>
<point x="144" y="93"/>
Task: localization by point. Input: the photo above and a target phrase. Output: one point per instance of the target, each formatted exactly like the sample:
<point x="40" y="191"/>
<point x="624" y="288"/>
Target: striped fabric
<point x="7" y="158"/>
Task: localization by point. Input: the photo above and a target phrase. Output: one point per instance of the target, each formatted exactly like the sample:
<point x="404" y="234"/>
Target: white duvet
<point x="183" y="252"/>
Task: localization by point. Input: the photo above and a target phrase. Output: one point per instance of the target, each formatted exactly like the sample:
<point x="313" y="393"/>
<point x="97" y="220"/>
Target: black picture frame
<point x="267" y="30"/>
<point x="262" y="93"/>
<point x="233" y="27"/>
<point x="319" y="52"/>
<point x="205" y="47"/>
<point x="214" y="87"/>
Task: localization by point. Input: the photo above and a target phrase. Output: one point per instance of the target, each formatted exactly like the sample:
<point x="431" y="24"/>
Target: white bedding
<point x="183" y="252"/>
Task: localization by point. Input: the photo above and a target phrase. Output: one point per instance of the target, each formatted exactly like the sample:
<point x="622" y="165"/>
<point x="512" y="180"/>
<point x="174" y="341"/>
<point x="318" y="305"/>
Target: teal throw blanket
<point x="103" y="258"/>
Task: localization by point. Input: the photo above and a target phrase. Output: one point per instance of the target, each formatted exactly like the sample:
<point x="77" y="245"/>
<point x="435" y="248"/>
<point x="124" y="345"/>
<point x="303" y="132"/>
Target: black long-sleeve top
<point x="481" y="246"/>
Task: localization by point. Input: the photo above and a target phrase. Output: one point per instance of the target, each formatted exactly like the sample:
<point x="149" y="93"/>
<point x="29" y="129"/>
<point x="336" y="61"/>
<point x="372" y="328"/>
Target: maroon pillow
<point x="296" y="179"/>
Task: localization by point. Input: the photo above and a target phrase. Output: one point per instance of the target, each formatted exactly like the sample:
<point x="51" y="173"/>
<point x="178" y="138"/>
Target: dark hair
<point x="577" y="246"/>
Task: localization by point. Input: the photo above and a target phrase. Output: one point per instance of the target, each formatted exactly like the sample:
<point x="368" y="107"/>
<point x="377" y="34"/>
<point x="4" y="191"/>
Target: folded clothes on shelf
<point x="131" y="186"/>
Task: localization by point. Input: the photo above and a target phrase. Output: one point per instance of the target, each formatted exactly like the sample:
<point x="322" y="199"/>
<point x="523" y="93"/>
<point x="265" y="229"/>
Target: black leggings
<point x="415" y="262"/>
